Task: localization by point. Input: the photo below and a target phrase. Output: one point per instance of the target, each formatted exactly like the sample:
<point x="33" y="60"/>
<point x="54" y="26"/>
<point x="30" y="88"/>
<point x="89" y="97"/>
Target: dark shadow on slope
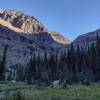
<point x="42" y="40"/>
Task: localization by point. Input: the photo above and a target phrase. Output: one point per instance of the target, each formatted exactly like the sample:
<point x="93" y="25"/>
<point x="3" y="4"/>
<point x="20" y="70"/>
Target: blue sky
<point x="69" y="17"/>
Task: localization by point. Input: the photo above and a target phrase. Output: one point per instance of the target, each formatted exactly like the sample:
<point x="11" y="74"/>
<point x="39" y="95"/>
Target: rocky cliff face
<point x="24" y="23"/>
<point x="25" y="35"/>
<point x="19" y="22"/>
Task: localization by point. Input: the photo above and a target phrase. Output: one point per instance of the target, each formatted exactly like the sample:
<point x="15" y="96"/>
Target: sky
<point x="69" y="17"/>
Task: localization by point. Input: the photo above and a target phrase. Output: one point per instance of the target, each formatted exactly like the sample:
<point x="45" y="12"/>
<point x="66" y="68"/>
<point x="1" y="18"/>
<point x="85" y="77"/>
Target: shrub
<point x="18" y="96"/>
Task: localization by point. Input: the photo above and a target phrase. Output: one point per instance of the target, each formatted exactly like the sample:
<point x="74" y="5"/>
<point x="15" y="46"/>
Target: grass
<point x="11" y="86"/>
<point x="74" y="92"/>
<point x="71" y="93"/>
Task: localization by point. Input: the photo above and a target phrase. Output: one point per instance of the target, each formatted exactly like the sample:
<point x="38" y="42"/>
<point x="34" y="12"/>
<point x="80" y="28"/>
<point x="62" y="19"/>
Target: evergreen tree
<point x="2" y="64"/>
<point x="97" y="58"/>
<point x="52" y="66"/>
<point x="31" y="70"/>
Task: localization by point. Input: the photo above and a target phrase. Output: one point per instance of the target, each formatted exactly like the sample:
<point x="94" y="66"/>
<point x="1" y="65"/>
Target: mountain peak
<point x="25" y="35"/>
<point x="22" y="23"/>
<point x="17" y="19"/>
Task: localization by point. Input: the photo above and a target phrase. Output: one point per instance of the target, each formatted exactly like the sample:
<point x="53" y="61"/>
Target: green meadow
<point x="72" y="92"/>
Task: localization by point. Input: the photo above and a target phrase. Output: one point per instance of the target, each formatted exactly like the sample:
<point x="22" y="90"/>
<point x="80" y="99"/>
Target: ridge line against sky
<point x="69" y="17"/>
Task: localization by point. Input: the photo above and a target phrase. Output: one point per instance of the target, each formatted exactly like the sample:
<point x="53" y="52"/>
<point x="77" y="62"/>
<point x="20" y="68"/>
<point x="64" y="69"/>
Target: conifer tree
<point x="31" y="71"/>
<point x="2" y="64"/>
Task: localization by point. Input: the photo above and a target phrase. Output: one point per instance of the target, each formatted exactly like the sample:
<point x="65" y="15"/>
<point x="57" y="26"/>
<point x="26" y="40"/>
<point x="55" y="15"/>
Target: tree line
<point x="73" y="66"/>
<point x="70" y="67"/>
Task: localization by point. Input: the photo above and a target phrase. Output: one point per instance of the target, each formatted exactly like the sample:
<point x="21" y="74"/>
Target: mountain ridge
<point x="25" y="36"/>
<point x="87" y="39"/>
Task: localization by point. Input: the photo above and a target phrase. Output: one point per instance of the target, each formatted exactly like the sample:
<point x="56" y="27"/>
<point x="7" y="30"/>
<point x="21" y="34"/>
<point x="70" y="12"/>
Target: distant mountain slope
<point x="25" y="35"/>
<point x="86" y="39"/>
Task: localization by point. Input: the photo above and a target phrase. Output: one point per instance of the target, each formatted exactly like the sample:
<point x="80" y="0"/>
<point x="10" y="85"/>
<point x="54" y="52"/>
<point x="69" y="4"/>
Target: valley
<point x="39" y="64"/>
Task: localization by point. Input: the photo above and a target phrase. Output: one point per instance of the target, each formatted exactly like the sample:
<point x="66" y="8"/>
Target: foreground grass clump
<point x="11" y="86"/>
<point x="74" y="92"/>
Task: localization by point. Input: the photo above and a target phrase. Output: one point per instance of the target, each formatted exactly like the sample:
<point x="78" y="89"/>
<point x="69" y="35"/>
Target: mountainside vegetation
<point x="72" y="66"/>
